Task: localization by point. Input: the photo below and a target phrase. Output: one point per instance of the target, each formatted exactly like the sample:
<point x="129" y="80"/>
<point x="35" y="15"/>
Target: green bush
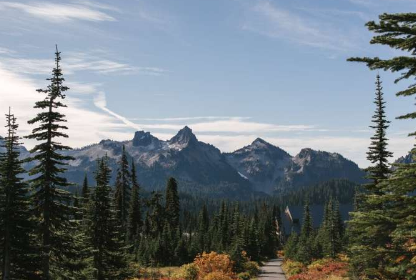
<point x="244" y="276"/>
<point x="188" y="272"/>
<point x="252" y="268"/>
<point x="217" y="275"/>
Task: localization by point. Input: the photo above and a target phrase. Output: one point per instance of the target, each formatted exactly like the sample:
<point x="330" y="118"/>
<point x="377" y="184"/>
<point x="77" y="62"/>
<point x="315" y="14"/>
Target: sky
<point x="232" y="70"/>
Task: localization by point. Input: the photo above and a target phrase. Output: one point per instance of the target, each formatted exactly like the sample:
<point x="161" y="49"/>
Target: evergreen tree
<point x="306" y="238"/>
<point x="19" y="257"/>
<point x="378" y="154"/>
<point x="135" y="214"/>
<point x="394" y="255"/>
<point x="123" y="188"/>
<point x="104" y="231"/>
<point x="51" y="202"/>
<point x="400" y="208"/>
<point x="331" y="231"/>
<point x="172" y="207"/>
<point x="85" y="192"/>
<point x="369" y="227"/>
<point x="291" y="246"/>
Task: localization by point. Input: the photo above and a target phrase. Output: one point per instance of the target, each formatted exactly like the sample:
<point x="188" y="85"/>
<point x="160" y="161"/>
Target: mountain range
<point x="257" y="169"/>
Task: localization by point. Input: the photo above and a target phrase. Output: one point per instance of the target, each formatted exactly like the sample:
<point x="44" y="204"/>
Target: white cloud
<point x="5" y="51"/>
<point x="189" y="118"/>
<point x="76" y="62"/>
<point x="86" y="126"/>
<point x="58" y="12"/>
<point x="272" y="21"/>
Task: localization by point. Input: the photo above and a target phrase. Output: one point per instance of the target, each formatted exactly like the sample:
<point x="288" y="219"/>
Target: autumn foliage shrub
<point x="217" y="275"/>
<point x="208" y="263"/>
<point x="188" y="272"/>
<point x="322" y="269"/>
<point x="293" y="267"/>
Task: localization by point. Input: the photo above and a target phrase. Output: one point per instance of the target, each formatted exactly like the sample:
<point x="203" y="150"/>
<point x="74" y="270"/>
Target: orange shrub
<point x="322" y="269"/>
<point x="217" y="275"/>
<point x="214" y="262"/>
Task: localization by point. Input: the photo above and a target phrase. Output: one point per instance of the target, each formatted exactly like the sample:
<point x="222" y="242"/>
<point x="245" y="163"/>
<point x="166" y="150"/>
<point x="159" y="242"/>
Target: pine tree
<point x="172" y="207"/>
<point x="304" y="252"/>
<point x="397" y="32"/>
<point x="123" y="188"/>
<point x="51" y="202"/>
<point x="103" y="230"/>
<point x="135" y="214"/>
<point x="19" y="257"/>
<point x="369" y="227"/>
<point x="85" y="192"/>
<point x="378" y="154"/>
<point x="291" y="246"/>
<point x="400" y="208"/>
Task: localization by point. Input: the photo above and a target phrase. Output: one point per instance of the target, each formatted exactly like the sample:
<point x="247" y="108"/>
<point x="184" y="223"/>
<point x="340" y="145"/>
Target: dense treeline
<point x="49" y="233"/>
<point x="326" y="241"/>
<point x="319" y="194"/>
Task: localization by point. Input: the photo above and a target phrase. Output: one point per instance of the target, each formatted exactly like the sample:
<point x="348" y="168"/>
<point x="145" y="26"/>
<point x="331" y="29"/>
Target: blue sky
<point x="232" y="70"/>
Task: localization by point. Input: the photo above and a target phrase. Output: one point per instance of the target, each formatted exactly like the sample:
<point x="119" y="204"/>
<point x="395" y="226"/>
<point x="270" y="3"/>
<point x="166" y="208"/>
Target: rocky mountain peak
<point x="184" y="136"/>
<point x="260" y="141"/>
<point x="143" y="139"/>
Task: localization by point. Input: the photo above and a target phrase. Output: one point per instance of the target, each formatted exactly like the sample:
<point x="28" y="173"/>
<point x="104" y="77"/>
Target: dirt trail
<point x="272" y="270"/>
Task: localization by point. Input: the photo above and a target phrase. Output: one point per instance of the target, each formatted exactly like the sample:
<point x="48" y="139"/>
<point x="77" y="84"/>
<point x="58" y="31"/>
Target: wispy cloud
<point x="270" y="20"/>
<point x="19" y="92"/>
<point x="189" y="118"/>
<point x="59" y="12"/>
<point x="5" y="51"/>
<point x="77" y="62"/>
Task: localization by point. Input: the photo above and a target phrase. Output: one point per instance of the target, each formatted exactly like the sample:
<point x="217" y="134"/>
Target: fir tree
<point x="135" y="214"/>
<point x="19" y="257"/>
<point x="172" y="207"/>
<point x="51" y="202"/>
<point x="397" y="32"/>
<point x="304" y="251"/>
<point x="378" y="154"/>
<point x="123" y="188"/>
<point x="103" y="230"/>
<point x="369" y="227"/>
<point x="291" y="246"/>
<point x="85" y="192"/>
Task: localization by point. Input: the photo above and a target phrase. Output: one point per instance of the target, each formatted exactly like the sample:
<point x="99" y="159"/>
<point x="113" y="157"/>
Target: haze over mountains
<point x="259" y="168"/>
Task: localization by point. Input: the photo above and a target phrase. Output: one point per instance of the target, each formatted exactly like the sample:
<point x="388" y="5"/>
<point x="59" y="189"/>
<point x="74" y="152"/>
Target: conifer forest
<point x="111" y="223"/>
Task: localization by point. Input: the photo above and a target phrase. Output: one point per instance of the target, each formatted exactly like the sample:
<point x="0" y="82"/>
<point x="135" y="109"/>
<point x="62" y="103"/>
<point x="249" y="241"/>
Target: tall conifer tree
<point x="51" y="201"/>
<point x="19" y="257"/>
<point x="304" y="252"/>
<point x="123" y="188"/>
<point x="104" y="231"/>
<point x="135" y="213"/>
<point x="172" y="207"/>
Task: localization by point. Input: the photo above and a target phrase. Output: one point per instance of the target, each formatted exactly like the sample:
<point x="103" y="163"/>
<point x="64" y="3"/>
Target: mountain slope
<point x="310" y="167"/>
<point x="261" y="163"/>
<point x="199" y="167"/>
<point x="271" y="169"/>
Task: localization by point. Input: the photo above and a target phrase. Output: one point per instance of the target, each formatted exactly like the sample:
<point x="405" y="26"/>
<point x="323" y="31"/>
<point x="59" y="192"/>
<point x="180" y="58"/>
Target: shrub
<point x="293" y="267"/>
<point x="213" y="262"/>
<point x="188" y="272"/>
<point x="252" y="268"/>
<point x="217" y="275"/>
<point x="244" y="276"/>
